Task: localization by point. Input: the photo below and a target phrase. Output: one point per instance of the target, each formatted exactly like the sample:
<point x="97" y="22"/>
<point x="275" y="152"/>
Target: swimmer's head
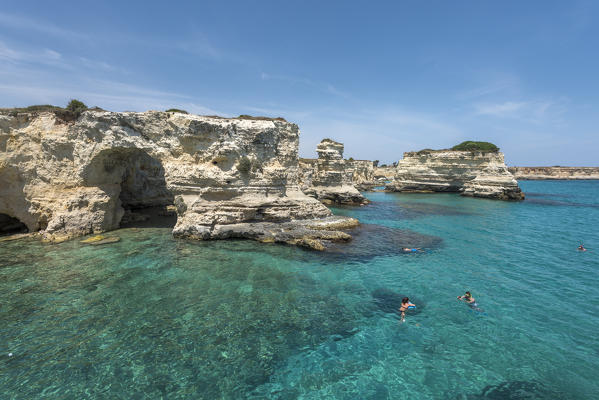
<point x="468" y="294"/>
<point x="405" y="300"/>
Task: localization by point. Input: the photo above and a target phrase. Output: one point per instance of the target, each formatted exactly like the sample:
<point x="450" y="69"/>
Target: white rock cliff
<point x="362" y="172"/>
<point x="226" y="177"/>
<point x="476" y="174"/>
<point x="327" y="178"/>
<point x="555" y="173"/>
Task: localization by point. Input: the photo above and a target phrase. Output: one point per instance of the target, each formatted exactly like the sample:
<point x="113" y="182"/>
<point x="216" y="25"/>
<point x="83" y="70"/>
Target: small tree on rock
<point x="76" y="107"/>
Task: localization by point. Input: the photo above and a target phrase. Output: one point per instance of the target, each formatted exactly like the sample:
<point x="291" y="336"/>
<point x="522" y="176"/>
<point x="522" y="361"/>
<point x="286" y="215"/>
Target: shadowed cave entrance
<point x="139" y="180"/>
<point x="10" y="225"/>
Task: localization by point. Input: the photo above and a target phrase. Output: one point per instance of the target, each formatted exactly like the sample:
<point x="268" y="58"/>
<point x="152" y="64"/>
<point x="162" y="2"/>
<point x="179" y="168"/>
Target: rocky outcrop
<point x="476" y="174"/>
<point x="327" y="178"/>
<point x="386" y="172"/>
<point x="362" y="173"/>
<point x="565" y="173"/>
<point x="227" y="178"/>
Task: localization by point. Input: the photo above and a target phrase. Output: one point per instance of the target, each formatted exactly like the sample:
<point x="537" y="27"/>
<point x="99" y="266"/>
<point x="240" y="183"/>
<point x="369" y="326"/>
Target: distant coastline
<point x="555" y="173"/>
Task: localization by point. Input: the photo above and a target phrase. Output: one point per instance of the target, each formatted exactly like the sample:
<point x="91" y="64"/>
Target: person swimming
<point x="411" y="250"/>
<point x="468" y="299"/>
<point x="581" y="248"/>
<point x="405" y="305"/>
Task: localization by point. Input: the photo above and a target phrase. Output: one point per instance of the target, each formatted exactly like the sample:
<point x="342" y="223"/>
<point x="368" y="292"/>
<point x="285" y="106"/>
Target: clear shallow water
<point x="153" y="317"/>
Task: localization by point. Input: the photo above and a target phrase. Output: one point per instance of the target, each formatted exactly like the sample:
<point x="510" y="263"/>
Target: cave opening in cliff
<point x="139" y="180"/>
<point x="10" y="225"/>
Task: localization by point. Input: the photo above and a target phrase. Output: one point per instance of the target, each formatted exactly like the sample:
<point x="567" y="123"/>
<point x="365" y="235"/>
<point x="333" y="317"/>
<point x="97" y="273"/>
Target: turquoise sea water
<point x="153" y="317"/>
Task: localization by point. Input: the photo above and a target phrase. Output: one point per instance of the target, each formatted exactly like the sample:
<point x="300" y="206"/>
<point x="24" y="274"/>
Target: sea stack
<point x="471" y="173"/>
<point x="224" y="178"/>
<point x="327" y="178"/>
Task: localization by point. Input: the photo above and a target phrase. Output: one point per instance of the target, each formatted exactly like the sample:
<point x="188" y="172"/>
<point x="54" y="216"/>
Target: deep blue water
<point x="153" y="317"/>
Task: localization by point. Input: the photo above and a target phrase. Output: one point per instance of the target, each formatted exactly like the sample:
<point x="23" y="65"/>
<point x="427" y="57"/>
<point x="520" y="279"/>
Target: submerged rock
<point x="17" y="236"/>
<point x="107" y="240"/>
<point x="223" y="177"/>
<point x="471" y="173"/>
<point x="516" y="390"/>
<point x="369" y="240"/>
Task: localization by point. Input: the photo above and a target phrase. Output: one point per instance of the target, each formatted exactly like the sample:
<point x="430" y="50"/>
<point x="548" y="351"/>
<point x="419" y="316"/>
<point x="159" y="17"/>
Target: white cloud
<point x="111" y="95"/>
<point x="28" y="24"/>
<point x="538" y="111"/>
<point x="505" y="109"/>
<point x="492" y="86"/>
<point x="324" y="87"/>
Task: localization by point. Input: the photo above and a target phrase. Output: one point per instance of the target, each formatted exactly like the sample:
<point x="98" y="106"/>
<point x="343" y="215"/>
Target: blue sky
<point x="381" y="77"/>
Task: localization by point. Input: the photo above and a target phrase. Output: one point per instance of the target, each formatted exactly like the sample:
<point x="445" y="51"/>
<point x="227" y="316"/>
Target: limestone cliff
<point x="225" y="177"/>
<point x="383" y="174"/>
<point x="327" y="178"/>
<point x="477" y="174"/>
<point x="565" y="173"/>
<point x="362" y="173"/>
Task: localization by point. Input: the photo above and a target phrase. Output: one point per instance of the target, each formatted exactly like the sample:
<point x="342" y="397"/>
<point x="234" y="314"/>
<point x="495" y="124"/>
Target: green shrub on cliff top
<point x="245" y="116"/>
<point x="476" y="146"/>
<point x="76" y="106"/>
<point x="176" y="110"/>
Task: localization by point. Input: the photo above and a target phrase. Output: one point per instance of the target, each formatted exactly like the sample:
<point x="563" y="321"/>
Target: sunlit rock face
<point x="327" y="178"/>
<point x="224" y="177"/>
<point x="362" y="172"/>
<point x="476" y="174"/>
<point x="565" y="173"/>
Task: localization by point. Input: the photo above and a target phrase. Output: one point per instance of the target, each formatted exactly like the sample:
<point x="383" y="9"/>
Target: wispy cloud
<point x="41" y="56"/>
<point x="505" y="109"/>
<point x="532" y="111"/>
<point x="111" y="95"/>
<point x="198" y="44"/>
<point x="324" y="87"/>
<point x="492" y="87"/>
<point x="48" y="57"/>
<point x="28" y="24"/>
<point x="377" y="133"/>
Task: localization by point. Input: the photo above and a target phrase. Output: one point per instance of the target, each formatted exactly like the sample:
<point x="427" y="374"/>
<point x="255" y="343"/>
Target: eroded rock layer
<point x="327" y="178"/>
<point x="224" y="177"/>
<point x="362" y="174"/>
<point x="476" y="174"/>
<point x="565" y="173"/>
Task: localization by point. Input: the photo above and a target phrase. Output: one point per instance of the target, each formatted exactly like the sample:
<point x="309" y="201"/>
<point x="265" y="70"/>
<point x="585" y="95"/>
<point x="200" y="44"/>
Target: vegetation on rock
<point x="76" y="107"/>
<point x="244" y="116"/>
<point x="245" y="165"/>
<point x="176" y="110"/>
<point x="476" y="146"/>
<point x="424" y="151"/>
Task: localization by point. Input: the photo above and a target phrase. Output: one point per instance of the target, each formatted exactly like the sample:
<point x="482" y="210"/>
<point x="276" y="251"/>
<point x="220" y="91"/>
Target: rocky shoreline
<point x="223" y="177"/>
<point x="555" y="173"/>
<point x="212" y="177"/>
